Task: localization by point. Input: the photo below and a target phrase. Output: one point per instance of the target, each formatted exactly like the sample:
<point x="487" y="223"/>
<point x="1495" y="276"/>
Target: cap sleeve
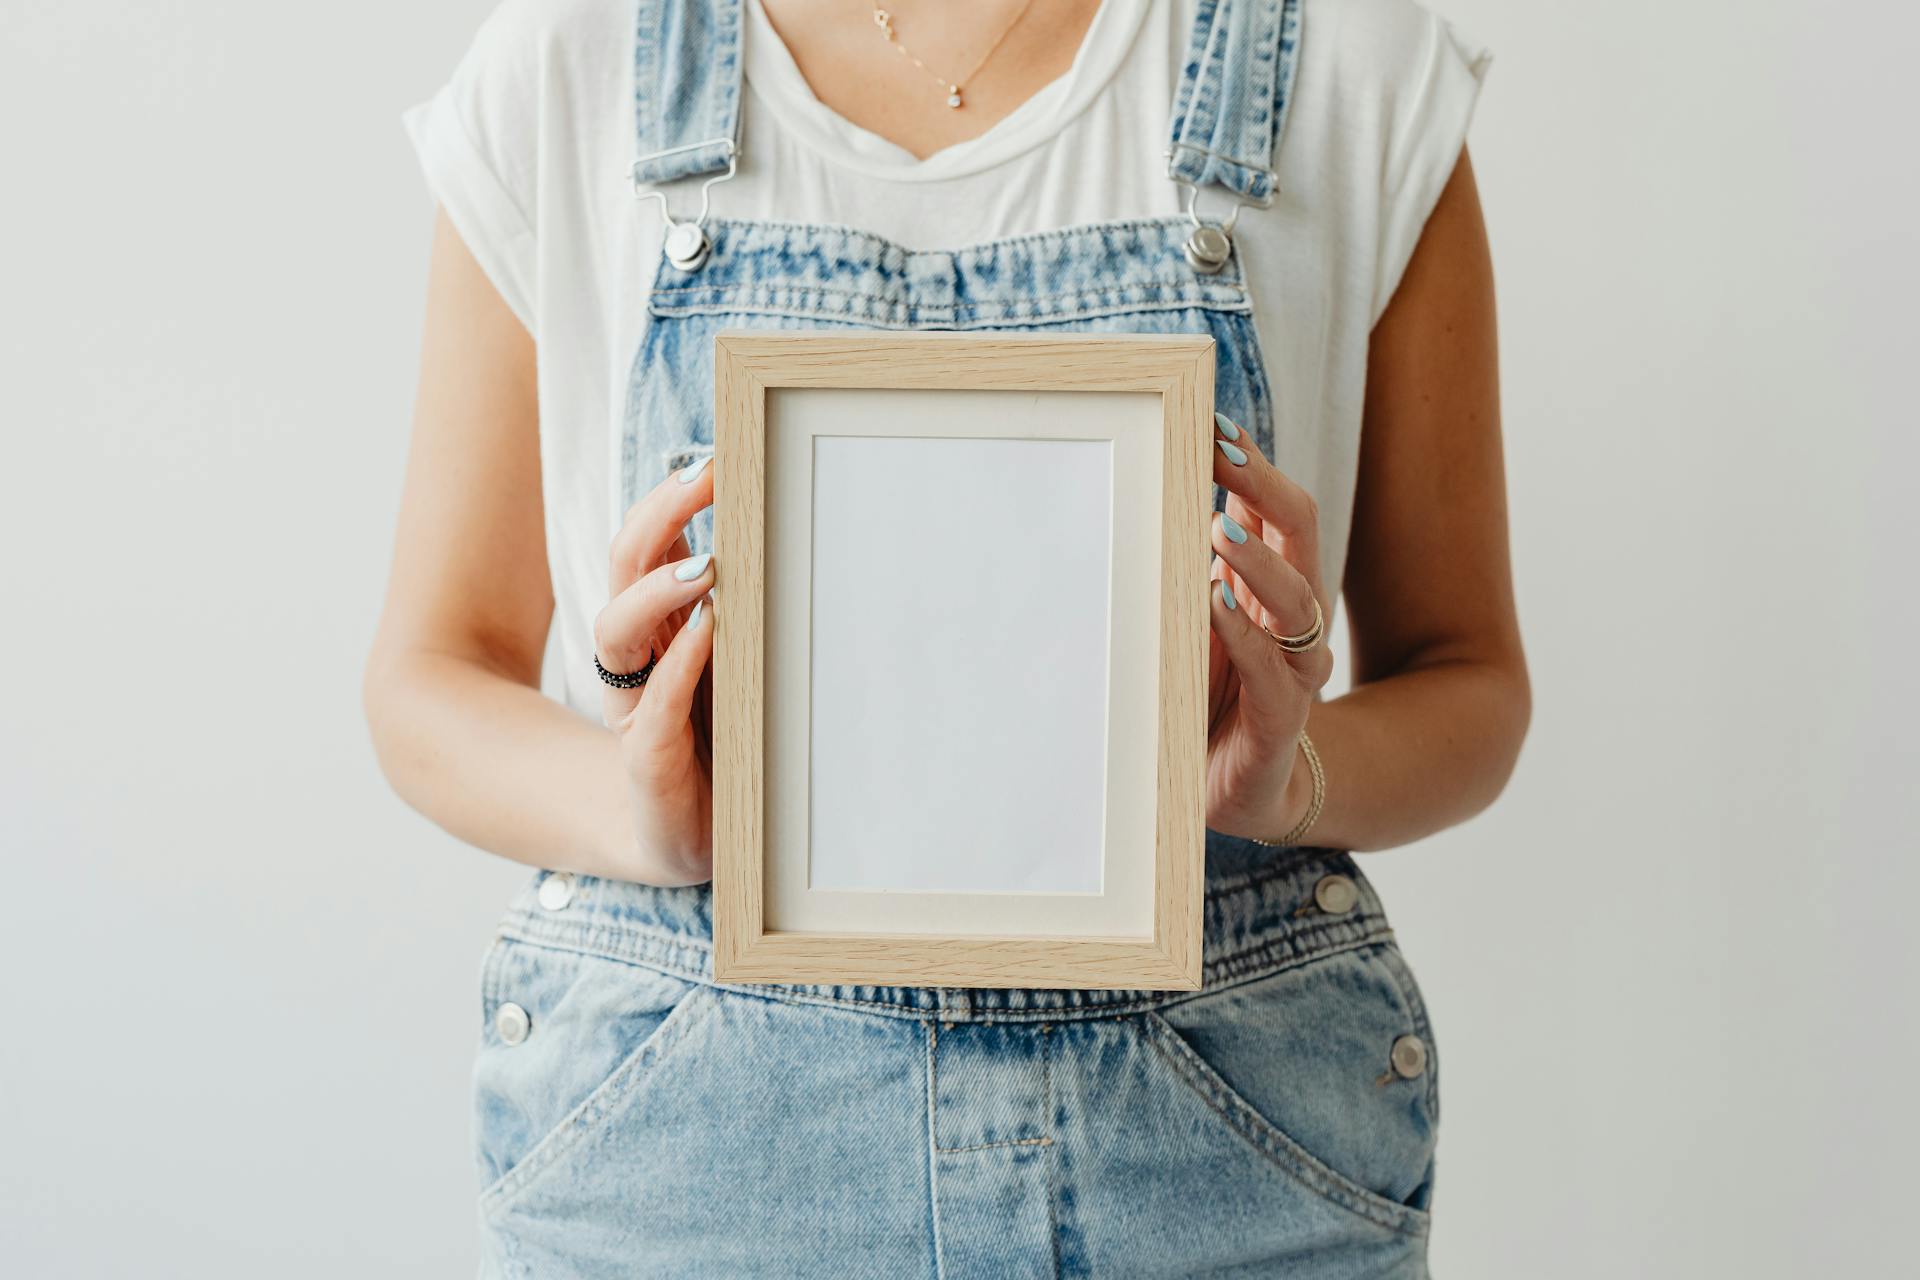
<point x="1426" y="134"/>
<point x="476" y="142"/>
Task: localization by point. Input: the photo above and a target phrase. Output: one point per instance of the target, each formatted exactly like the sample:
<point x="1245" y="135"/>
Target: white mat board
<point x="962" y="689"/>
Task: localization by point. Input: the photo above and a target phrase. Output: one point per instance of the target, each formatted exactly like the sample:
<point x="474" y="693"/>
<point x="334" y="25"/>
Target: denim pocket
<point x="1302" y="1065"/>
<point x="568" y="1041"/>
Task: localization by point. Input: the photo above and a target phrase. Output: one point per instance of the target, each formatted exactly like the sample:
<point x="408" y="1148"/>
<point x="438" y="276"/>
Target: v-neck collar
<point x="774" y="77"/>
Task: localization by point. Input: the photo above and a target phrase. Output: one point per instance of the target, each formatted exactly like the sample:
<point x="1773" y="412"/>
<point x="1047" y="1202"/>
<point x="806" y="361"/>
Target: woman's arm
<point x="1440" y="703"/>
<point x="1430" y="732"/>
<point x="451" y="686"/>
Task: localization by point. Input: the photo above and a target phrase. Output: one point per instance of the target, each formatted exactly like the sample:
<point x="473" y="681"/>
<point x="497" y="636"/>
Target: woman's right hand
<point x="658" y="608"/>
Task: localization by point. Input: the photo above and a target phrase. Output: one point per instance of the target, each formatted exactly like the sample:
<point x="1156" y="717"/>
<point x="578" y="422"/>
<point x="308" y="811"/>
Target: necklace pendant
<point x="953" y="96"/>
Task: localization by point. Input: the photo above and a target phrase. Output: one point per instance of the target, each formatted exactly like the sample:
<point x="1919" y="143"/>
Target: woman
<point x="1285" y="175"/>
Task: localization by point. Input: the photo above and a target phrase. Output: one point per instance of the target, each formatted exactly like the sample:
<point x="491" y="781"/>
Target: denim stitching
<point x="933" y="1099"/>
<point x="1268" y="1138"/>
<point x="1193" y="100"/>
<point x="1260" y="961"/>
<point x="1066" y="237"/>
<point x="790" y="313"/>
<point x="1188" y="293"/>
<point x="710" y="111"/>
<point x="1235" y="149"/>
<point x="933" y="1145"/>
<point x="994" y="1146"/>
<point x="1275" y="958"/>
<point x="594" y="1111"/>
<point x="1422" y="1026"/>
<point x="1053" y="1163"/>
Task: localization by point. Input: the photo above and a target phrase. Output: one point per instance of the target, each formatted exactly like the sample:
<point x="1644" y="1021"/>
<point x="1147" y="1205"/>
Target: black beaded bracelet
<point x="625" y="679"/>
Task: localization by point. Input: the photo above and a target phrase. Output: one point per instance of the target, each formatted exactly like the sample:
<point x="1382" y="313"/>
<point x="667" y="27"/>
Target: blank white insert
<point x="959" y="664"/>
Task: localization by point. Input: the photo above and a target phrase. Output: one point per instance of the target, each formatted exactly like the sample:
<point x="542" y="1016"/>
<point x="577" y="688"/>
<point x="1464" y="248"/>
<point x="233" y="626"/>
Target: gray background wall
<point x="1671" y="972"/>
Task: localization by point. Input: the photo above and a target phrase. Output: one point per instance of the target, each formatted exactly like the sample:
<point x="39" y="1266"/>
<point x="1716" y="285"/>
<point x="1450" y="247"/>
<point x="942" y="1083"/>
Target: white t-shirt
<point x="530" y="144"/>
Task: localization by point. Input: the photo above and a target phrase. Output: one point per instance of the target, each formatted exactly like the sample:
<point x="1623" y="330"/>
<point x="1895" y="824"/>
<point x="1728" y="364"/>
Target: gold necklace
<point x="884" y="20"/>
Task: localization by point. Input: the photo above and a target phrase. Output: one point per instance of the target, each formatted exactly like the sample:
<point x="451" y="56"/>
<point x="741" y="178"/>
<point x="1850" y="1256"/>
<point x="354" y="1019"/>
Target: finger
<point x="664" y="712"/>
<point x="635" y="625"/>
<point x="1267" y="683"/>
<point x="678" y="548"/>
<point x="1249" y="519"/>
<point x="1222" y="681"/>
<point x="652" y="524"/>
<point x="1289" y="516"/>
<point x="627" y="627"/>
<point x="1283" y="601"/>
<point x="1283" y="598"/>
<point x="676" y="552"/>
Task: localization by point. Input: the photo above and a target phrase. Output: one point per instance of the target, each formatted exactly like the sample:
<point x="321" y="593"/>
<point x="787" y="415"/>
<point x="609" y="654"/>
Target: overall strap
<point x="1235" y="85"/>
<point x="686" y="88"/>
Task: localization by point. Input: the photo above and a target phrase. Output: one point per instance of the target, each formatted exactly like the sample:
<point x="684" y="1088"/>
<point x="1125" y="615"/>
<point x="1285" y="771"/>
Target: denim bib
<point x="1158" y="275"/>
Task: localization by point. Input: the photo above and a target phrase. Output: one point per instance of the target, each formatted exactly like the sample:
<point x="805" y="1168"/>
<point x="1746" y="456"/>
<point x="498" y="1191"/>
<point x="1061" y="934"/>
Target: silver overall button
<point x="512" y="1022"/>
<point x="1208" y="249"/>
<point x="556" y="891"/>
<point x="1409" y="1056"/>
<point x="687" y="246"/>
<point x="1336" y="895"/>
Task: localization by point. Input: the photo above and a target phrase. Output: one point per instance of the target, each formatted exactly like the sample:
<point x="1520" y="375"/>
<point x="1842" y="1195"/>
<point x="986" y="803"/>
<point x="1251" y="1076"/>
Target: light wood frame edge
<point x="1180" y="369"/>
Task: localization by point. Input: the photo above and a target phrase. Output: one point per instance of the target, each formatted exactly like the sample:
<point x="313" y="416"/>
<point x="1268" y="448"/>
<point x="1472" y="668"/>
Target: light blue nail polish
<point x="1231" y="527"/>
<point x="692" y="473"/>
<point x="1226" y="593"/>
<point x="1235" y="454"/>
<point x="691" y="569"/>
<point x="693" y="619"/>
<point x="1225" y="424"/>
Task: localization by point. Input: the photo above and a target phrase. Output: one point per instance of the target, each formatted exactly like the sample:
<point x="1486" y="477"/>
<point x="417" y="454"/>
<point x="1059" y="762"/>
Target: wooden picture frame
<point x="805" y="422"/>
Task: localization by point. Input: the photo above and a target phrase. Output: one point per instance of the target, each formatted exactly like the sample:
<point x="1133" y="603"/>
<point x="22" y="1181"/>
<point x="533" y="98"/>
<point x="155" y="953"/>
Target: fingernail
<point x="1225" y="424"/>
<point x="1231" y="527"/>
<point x="693" y="619"/>
<point x="1235" y="454"/>
<point x="691" y="569"/>
<point x="1226" y="593"/>
<point x="692" y="473"/>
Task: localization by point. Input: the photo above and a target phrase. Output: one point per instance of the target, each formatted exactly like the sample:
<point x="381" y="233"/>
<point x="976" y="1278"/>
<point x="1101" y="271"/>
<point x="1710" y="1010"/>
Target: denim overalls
<point x="635" y="1118"/>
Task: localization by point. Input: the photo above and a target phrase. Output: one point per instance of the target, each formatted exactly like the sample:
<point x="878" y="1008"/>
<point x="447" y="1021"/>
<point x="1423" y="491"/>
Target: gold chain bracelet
<point x="1307" y="820"/>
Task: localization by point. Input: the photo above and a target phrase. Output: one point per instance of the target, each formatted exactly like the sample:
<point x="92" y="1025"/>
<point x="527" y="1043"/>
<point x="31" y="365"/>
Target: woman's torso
<point x="542" y="125"/>
<point x="633" y="1116"/>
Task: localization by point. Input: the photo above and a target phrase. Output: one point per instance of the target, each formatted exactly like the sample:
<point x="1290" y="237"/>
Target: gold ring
<point x="1306" y="640"/>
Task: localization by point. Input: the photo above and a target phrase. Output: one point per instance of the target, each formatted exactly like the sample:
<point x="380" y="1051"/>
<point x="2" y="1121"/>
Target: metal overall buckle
<point x="687" y="244"/>
<point x="1210" y="244"/>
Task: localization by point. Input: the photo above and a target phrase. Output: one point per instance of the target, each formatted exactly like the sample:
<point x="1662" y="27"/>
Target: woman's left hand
<point x="1266" y="572"/>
